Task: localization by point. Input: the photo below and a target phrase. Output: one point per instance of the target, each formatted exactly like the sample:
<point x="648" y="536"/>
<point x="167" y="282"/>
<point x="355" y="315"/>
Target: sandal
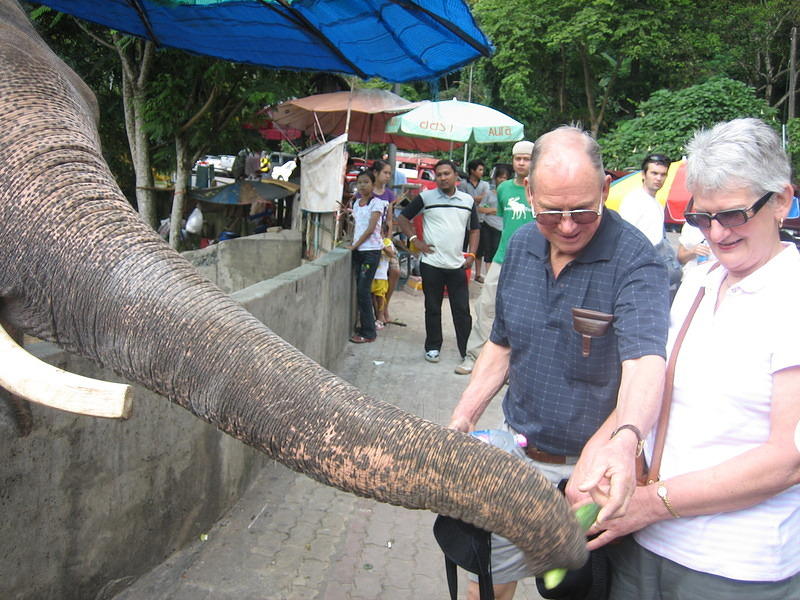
<point x="357" y="339"/>
<point x="379" y="325"/>
<point x="479" y="278"/>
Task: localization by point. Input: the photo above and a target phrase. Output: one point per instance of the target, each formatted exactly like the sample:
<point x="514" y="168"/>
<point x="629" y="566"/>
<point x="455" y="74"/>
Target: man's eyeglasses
<point x="581" y="216"/>
<point x="733" y="217"/>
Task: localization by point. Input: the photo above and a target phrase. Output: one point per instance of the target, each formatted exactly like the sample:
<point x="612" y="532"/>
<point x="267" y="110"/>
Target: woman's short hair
<point x="503" y="169"/>
<point x="743" y="153"/>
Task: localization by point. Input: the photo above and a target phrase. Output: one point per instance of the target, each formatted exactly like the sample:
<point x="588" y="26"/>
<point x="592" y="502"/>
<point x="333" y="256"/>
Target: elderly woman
<point x="724" y="520"/>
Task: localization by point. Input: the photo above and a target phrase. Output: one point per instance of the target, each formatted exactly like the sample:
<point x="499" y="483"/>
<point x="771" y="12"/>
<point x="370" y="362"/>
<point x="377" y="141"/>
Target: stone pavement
<point x="291" y="538"/>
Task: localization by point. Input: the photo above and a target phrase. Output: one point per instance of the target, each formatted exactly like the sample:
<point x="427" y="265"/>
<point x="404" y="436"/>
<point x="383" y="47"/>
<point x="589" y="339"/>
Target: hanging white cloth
<point x="322" y="176"/>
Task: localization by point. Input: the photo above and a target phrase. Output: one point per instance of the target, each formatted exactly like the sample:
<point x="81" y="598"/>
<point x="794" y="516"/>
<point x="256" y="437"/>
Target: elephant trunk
<point x="78" y="267"/>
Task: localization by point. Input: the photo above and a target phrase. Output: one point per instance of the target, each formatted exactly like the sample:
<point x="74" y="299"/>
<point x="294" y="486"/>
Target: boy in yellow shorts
<point x="380" y="284"/>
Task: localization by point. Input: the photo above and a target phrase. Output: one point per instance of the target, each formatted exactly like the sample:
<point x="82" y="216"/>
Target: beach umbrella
<point x="673" y="194"/>
<point x="363" y="113"/>
<point x="397" y="40"/>
<point x="245" y="192"/>
<point x="457" y="121"/>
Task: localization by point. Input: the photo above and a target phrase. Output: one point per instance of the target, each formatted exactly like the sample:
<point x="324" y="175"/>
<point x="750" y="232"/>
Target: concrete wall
<point x="241" y="262"/>
<point x="90" y="504"/>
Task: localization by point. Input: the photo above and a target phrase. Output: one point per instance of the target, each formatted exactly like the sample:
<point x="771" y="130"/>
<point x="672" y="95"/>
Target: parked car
<point x="223" y="163"/>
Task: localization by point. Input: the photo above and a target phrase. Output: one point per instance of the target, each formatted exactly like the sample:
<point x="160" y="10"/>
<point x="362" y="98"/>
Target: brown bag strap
<point x="666" y="398"/>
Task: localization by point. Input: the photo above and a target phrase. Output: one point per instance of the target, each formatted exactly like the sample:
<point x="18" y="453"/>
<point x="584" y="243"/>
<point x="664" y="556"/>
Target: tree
<point x="196" y="103"/>
<point x="666" y="121"/>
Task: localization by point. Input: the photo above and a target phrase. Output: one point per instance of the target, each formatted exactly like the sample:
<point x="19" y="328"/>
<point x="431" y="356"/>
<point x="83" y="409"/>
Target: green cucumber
<point x="586" y="516"/>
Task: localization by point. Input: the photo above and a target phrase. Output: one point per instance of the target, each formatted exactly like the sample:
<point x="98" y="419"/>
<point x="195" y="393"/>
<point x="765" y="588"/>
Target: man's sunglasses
<point x="581" y="216"/>
<point x="727" y="218"/>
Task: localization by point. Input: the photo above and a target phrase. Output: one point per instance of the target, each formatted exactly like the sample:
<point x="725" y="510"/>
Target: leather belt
<point x="554" y="459"/>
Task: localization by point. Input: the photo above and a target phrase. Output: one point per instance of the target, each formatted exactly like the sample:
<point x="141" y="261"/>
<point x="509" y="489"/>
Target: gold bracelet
<point x="662" y="493"/>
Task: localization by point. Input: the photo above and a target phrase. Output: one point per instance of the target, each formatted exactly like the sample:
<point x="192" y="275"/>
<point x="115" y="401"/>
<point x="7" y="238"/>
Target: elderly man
<point x="584" y="408"/>
<point x="447" y="214"/>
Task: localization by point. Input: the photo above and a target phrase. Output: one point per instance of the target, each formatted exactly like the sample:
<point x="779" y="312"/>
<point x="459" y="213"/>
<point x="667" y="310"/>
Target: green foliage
<point x="666" y="121"/>
<point x="793" y="131"/>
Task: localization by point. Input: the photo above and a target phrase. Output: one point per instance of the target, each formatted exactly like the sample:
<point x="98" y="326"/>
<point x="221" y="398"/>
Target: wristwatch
<point x="636" y="432"/>
<point x="664" y="495"/>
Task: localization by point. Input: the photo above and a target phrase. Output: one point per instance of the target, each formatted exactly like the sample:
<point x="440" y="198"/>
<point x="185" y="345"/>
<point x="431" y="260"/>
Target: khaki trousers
<point x="484" y="312"/>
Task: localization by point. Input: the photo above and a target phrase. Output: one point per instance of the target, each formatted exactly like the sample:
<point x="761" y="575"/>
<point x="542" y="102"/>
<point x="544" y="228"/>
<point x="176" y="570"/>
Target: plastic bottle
<point x="490" y="436"/>
<point x="701" y="258"/>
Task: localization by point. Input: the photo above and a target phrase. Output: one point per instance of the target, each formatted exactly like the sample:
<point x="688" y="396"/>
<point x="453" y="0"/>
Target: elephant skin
<point x="78" y="267"/>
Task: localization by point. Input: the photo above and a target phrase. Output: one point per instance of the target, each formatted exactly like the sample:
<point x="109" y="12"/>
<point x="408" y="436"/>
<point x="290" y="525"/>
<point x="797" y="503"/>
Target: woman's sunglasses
<point x="727" y="218"/>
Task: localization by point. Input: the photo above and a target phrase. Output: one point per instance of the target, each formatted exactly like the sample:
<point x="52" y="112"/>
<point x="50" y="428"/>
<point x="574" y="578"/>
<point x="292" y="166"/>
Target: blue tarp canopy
<point x="396" y="40"/>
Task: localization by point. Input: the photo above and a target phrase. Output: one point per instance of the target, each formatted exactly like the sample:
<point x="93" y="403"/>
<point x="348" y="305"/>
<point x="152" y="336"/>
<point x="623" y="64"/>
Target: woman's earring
<point x="781" y="223"/>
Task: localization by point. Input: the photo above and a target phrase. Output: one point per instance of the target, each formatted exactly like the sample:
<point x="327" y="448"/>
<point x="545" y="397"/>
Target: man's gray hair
<point x="547" y="140"/>
<point x="743" y="153"/>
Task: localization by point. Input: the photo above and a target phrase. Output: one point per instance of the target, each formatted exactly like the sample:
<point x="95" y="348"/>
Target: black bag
<point x="590" y="582"/>
<point x="468" y="547"/>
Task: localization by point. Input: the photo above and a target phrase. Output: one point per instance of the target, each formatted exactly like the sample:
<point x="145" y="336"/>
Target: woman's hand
<point x="643" y="510"/>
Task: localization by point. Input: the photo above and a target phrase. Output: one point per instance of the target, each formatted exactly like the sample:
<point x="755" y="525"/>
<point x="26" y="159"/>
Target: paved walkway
<point x="290" y="538"/>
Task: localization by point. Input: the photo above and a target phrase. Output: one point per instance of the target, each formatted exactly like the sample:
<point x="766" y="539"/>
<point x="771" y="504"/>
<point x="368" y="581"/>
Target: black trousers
<point x="365" y="263"/>
<point x="434" y="281"/>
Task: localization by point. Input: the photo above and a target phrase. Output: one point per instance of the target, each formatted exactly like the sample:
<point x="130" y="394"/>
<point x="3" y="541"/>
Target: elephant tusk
<point x="35" y="380"/>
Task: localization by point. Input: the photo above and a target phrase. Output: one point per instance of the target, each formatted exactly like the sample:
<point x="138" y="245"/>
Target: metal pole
<point x="392" y="151"/>
<point x="792" y="74"/>
<point x="469" y="99"/>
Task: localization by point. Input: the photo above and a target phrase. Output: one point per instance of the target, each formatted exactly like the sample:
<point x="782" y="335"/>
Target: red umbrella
<point x="673" y="194"/>
<point x="369" y="110"/>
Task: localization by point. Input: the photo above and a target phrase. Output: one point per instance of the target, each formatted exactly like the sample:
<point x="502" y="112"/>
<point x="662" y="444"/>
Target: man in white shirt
<point x="640" y="207"/>
<point x="447" y="214"/>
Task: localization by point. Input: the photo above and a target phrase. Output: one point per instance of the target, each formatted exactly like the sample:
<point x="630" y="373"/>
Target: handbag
<point x="592" y="581"/>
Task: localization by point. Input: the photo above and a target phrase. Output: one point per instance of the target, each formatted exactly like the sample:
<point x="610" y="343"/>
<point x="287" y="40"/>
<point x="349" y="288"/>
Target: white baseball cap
<point x="522" y="147"/>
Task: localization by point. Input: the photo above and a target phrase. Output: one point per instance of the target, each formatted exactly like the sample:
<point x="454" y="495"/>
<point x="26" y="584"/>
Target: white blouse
<point x="721" y="408"/>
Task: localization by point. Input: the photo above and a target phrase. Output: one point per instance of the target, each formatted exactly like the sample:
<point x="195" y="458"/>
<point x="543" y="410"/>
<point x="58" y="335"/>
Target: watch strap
<point x="636" y="431"/>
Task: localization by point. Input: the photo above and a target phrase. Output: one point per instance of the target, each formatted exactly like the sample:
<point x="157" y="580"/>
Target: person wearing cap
<point x="513" y="208"/>
<point x="585" y="398"/>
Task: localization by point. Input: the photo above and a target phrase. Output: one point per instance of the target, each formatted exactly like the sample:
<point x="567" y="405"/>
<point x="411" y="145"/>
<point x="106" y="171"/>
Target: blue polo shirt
<point x="556" y="397"/>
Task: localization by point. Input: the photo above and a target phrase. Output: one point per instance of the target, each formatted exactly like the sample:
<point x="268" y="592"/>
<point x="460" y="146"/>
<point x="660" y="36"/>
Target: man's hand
<point x="461" y="423"/>
<point x="423" y="247"/>
<point x="469" y="260"/>
<point x="609" y="475"/>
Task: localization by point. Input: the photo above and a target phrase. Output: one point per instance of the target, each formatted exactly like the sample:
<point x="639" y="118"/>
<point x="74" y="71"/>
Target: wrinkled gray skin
<point x="78" y="267"/>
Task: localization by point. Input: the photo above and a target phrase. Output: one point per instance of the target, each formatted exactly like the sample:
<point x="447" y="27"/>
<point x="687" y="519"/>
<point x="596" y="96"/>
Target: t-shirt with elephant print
<point x="513" y="207"/>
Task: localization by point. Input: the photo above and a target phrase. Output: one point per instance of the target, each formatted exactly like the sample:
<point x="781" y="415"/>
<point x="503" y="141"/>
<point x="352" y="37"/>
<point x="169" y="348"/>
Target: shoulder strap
<point x="669" y="379"/>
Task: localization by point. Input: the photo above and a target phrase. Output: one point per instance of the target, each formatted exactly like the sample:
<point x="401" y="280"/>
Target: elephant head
<point x="78" y="267"/>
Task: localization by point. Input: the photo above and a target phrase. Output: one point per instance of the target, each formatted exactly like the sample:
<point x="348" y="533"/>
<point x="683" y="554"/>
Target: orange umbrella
<point x="369" y="110"/>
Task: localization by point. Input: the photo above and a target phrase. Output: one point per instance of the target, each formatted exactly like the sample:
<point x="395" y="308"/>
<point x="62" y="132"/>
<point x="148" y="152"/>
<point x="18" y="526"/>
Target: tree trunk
<point x="588" y="82"/>
<point x="136" y="58"/>
<point x="179" y="196"/>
